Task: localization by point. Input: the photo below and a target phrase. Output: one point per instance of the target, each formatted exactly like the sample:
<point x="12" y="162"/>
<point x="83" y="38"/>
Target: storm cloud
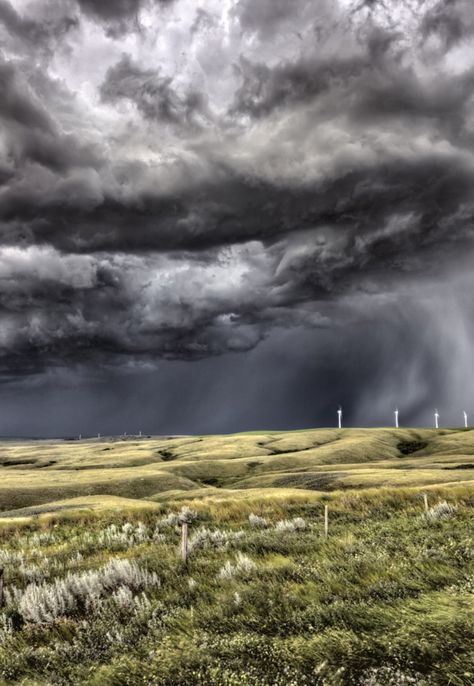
<point x="181" y="182"/>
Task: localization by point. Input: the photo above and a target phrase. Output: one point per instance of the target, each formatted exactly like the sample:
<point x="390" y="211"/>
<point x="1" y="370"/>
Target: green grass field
<point x="96" y="593"/>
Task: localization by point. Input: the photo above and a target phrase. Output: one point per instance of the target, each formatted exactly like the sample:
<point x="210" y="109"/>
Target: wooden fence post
<point x="2" y="594"/>
<point x="184" y="542"/>
<point x="425" y="500"/>
<point x="326" y="521"/>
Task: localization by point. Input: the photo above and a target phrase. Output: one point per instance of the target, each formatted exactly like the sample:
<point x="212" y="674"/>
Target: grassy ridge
<point x="37" y="472"/>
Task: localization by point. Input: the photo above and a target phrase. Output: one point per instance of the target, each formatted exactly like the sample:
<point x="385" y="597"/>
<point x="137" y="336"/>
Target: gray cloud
<point x="268" y="16"/>
<point x="451" y="21"/>
<point x="118" y="16"/>
<point x="153" y="94"/>
<point x="220" y="176"/>
<point x="19" y="106"/>
<point x="42" y="31"/>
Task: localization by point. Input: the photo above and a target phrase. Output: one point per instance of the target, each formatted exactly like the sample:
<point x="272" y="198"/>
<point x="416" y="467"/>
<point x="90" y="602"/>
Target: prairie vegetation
<point x="96" y="592"/>
<point x="37" y="473"/>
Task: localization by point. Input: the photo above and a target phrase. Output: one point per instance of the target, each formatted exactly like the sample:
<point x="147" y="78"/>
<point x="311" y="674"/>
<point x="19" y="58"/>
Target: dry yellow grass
<point x="35" y="473"/>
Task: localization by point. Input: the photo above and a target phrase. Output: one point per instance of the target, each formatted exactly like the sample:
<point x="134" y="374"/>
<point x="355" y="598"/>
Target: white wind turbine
<point x="436" y="416"/>
<point x="339" y="417"/>
<point x="465" y="419"/>
<point x="396" y="417"/>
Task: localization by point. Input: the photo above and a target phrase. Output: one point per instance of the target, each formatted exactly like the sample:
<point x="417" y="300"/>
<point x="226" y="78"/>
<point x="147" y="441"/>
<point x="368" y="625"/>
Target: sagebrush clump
<point x="46" y="602"/>
<point x="212" y="538"/>
<point x="291" y="525"/>
<point x="257" y="521"/>
<point x="243" y="567"/>
<point x="440" y="511"/>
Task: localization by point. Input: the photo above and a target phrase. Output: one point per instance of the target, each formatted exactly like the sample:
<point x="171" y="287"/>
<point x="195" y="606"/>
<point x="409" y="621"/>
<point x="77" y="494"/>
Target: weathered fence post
<point x="2" y="594"/>
<point x="326" y="521"/>
<point x="184" y="542"/>
<point x="425" y="500"/>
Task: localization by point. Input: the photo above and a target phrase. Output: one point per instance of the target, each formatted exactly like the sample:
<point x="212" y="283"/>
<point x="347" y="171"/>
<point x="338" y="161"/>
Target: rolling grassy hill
<point x="37" y="473"/>
<point x="96" y="594"/>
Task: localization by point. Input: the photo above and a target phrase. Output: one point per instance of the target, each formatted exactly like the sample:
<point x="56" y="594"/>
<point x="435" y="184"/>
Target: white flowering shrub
<point x="115" y="636"/>
<point x="167" y="522"/>
<point x="123" y="597"/>
<point x="440" y="511"/>
<point x="128" y="573"/>
<point x="227" y="572"/>
<point x="45" y="602"/>
<point x="6" y="628"/>
<point x="141" y="533"/>
<point x="243" y="567"/>
<point x="390" y="676"/>
<point x="257" y="522"/>
<point x="141" y="605"/>
<point x="11" y="557"/>
<point x="212" y="538"/>
<point x="185" y="515"/>
<point x="33" y="572"/>
<point x="290" y="525"/>
<point x="41" y="538"/>
<point x="12" y="595"/>
<point x="127" y="536"/>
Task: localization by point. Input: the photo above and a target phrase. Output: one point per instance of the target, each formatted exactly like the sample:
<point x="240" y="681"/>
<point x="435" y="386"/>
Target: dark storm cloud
<point x="110" y="10"/>
<point x="153" y="94"/>
<point x="378" y="82"/>
<point x="39" y="33"/>
<point x="184" y="199"/>
<point x="265" y="16"/>
<point x="31" y="134"/>
<point x="118" y="16"/>
<point x="24" y="28"/>
<point x="449" y="20"/>
<point x="17" y="104"/>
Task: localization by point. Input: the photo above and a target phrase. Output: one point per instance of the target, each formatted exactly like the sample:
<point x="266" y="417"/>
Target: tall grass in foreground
<point x="265" y="599"/>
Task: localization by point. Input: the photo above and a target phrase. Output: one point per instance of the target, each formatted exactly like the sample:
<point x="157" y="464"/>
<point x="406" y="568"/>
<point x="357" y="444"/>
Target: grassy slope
<point x="39" y="472"/>
<point x="387" y="600"/>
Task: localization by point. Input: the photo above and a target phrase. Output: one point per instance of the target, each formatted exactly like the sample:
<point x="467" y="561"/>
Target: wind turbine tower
<point x="396" y="417"/>
<point x="465" y="419"/>
<point x="436" y="416"/>
<point x="339" y="417"/>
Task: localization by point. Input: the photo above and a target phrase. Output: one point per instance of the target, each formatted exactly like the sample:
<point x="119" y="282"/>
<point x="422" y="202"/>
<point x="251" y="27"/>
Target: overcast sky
<point x="235" y="214"/>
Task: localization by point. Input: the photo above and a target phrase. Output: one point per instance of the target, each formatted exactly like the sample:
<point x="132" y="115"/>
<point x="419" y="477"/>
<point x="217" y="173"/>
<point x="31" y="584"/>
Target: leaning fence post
<point x="425" y="500"/>
<point x="2" y="594"/>
<point x="184" y="542"/>
<point x="326" y="521"/>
